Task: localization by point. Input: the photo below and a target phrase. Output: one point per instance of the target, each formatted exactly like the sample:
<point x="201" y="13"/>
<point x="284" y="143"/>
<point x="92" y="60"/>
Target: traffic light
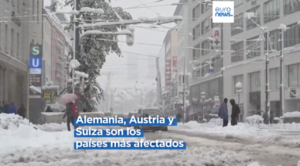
<point x="130" y="38"/>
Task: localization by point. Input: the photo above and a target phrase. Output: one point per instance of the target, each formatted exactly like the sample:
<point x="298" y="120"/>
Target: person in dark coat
<point x="5" y="107"/>
<point x="71" y="115"/>
<point x="271" y="117"/>
<point x="12" y="109"/>
<point x="223" y="112"/>
<point x="179" y="117"/>
<point x="2" y="107"/>
<point x="48" y="109"/>
<point x="234" y="112"/>
<point x="22" y="111"/>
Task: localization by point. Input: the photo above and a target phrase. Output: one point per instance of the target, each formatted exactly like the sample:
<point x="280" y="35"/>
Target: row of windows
<point x="291" y="38"/>
<point x="211" y="88"/>
<point x="217" y="64"/>
<point x="14" y="40"/>
<point x="271" y="11"/>
<point x="274" y="76"/>
<point x="206" y="26"/>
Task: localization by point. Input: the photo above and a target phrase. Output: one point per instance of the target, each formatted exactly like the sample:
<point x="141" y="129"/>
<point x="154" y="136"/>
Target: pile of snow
<point x="254" y="119"/>
<point x="295" y="114"/>
<point x="13" y="122"/>
<point x="276" y="133"/>
<point x="216" y="121"/>
<point x="18" y="134"/>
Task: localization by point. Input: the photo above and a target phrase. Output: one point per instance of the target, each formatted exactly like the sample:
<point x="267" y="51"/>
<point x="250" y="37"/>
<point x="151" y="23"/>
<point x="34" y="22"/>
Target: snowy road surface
<point x="24" y="144"/>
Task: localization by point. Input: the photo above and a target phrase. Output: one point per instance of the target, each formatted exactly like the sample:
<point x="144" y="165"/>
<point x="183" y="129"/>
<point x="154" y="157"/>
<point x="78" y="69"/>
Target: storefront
<point x="213" y="92"/>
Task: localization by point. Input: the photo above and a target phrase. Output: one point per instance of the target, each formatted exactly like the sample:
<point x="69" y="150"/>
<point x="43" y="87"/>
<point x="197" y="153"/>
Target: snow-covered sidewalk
<point x="284" y="134"/>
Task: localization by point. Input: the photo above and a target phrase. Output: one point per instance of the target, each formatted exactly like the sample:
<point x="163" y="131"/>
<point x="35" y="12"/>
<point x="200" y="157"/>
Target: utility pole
<point x="267" y="106"/>
<point x="108" y="90"/>
<point x="184" y="84"/>
<point x="158" y="83"/>
<point x="281" y="73"/>
<point x="76" y="46"/>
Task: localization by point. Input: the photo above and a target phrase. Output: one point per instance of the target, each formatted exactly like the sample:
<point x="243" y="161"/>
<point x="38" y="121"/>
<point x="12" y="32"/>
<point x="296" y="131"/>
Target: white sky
<point x="145" y="70"/>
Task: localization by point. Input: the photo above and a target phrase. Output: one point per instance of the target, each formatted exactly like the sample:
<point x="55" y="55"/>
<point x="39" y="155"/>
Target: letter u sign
<point x="35" y="62"/>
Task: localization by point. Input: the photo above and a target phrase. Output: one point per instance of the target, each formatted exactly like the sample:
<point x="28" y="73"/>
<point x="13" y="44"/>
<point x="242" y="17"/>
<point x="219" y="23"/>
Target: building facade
<point x="20" y="26"/>
<point x="245" y="65"/>
<point x="170" y="43"/>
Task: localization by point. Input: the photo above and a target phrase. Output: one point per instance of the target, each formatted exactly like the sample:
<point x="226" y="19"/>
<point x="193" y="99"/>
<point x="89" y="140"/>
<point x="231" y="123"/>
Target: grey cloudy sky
<point x="141" y="67"/>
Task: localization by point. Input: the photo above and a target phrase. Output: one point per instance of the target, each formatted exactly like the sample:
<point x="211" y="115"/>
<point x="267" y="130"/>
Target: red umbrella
<point x="67" y="98"/>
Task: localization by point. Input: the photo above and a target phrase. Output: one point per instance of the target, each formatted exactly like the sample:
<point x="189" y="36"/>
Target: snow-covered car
<point x="153" y="112"/>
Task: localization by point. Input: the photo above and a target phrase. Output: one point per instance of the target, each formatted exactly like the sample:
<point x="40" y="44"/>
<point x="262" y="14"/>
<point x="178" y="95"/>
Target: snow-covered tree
<point x="95" y="48"/>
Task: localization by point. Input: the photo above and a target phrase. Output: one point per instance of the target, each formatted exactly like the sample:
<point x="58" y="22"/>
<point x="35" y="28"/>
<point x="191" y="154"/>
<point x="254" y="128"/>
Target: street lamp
<point x="239" y="90"/>
<point x="203" y="96"/>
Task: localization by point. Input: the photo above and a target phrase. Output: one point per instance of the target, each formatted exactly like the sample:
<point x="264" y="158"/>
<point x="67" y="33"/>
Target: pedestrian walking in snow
<point x="5" y="107"/>
<point x="22" y="111"/>
<point x="223" y="112"/>
<point x="2" y="107"/>
<point x="234" y="112"/>
<point x="71" y="114"/>
<point x="12" y="109"/>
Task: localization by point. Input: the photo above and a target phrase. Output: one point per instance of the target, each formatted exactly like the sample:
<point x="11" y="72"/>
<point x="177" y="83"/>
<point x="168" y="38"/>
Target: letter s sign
<point x="35" y="50"/>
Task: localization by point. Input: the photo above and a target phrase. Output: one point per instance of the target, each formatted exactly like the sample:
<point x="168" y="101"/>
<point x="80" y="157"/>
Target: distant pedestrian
<point x="12" y="108"/>
<point x="179" y="117"/>
<point x="71" y="114"/>
<point x="22" y="111"/>
<point x="2" y="107"/>
<point x="234" y="112"/>
<point x="223" y="112"/>
<point x="5" y="107"/>
<point x="271" y="117"/>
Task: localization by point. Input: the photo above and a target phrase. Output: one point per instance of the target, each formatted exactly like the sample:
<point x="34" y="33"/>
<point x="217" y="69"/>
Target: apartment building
<point x="205" y="58"/>
<point x="244" y="64"/>
<point x="20" y="26"/>
<point x="170" y="43"/>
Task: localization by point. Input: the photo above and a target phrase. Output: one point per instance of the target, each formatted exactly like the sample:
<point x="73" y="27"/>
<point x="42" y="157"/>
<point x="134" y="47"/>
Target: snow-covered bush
<point x="254" y="119"/>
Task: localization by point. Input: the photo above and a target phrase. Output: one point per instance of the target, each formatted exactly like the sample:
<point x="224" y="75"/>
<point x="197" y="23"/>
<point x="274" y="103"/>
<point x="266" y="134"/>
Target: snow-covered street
<point x="25" y="144"/>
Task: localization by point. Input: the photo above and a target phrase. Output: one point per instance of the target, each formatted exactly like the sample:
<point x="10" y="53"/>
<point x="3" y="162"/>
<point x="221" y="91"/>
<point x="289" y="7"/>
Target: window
<point x="255" y="82"/>
<point x="291" y="6"/>
<point x="204" y="8"/>
<point x="249" y="23"/>
<point x="292" y="36"/>
<point x="37" y="11"/>
<point x="253" y="47"/>
<point x="196" y="12"/>
<point x="12" y="41"/>
<point x="205" y="26"/>
<point x="204" y="87"/>
<point x="274" y="79"/>
<point x="5" y="38"/>
<point x="238" y="25"/>
<point x="217" y="63"/>
<point x="238" y="54"/>
<point x="275" y="44"/>
<point x="32" y="9"/>
<point x="237" y="79"/>
<point x="294" y="75"/>
<point x="238" y="2"/>
<point x="271" y="10"/>
<point x="196" y="32"/>
<point x="18" y="44"/>
<point x="196" y="52"/>
<point x="204" y="69"/>
<point x="205" y="46"/>
<point x="214" y="24"/>
<point x="214" y="87"/>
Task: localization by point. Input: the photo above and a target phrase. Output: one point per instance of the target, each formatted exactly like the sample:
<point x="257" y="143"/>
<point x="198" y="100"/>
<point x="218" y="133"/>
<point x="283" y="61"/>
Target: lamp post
<point x="239" y="90"/>
<point x="203" y="96"/>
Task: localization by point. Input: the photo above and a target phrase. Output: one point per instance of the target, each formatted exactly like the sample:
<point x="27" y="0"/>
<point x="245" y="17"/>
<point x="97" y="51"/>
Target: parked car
<point x="153" y="112"/>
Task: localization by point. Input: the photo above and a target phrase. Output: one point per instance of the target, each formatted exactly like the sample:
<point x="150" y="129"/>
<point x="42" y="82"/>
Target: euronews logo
<point x="223" y="11"/>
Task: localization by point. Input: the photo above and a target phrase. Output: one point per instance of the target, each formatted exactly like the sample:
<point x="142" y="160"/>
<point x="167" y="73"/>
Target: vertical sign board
<point x="35" y="70"/>
<point x="216" y="38"/>
<point x="36" y="103"/>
